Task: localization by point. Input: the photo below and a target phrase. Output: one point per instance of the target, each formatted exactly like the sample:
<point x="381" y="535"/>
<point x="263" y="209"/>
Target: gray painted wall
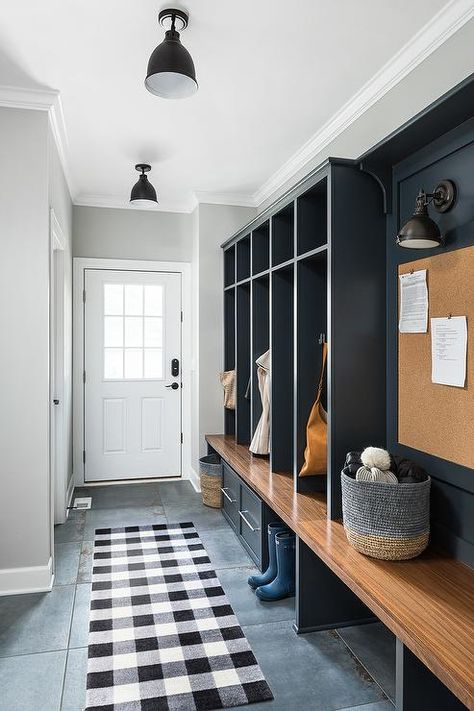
<point x="215" y="224"/>
<point x="24" y="320"/>
<point x="105" y="233"/>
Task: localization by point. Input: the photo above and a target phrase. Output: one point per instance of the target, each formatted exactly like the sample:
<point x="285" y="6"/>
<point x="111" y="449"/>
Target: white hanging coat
<point x="261" y="440"/>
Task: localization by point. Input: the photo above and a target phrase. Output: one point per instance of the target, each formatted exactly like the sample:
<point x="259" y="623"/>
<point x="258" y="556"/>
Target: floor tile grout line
<point x="364" y="667"/>
<point x="261" y="624"/>
<point x="362" y="706"/>
<point x="31" y="654"/>
<point x="63" y="685"/>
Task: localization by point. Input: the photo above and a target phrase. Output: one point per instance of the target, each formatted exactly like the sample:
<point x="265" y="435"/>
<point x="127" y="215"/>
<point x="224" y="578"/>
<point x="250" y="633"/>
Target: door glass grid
<point x="133" y="332"/>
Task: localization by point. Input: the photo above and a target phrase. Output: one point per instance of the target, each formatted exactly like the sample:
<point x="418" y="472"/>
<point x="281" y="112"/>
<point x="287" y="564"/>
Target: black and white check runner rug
<point x="162" y="634"/>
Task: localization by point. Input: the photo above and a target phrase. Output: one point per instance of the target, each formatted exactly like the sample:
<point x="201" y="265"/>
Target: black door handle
<point x="173" y="386"/>
<point x="55" y="401"/>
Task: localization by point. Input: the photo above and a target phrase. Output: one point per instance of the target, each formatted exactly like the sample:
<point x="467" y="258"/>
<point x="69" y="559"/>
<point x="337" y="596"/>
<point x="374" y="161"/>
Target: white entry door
<point x="132" y="374"/>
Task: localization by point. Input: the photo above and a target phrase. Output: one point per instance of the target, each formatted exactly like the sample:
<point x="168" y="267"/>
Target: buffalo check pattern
<point x="162" y="635"/>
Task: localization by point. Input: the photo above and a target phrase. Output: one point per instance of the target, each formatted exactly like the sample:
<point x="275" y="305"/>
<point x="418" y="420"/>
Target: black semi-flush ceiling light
<point x="143" y="193"/>
<point x="421" y="232"/>
<point x="171" y="72"/>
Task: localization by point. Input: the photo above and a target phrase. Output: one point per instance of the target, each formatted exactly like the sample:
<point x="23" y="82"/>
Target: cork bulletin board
<point x="438" y="419"/>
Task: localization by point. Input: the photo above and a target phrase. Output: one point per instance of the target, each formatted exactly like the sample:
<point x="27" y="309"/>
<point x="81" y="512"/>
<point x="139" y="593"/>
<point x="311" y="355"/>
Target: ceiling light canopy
<point x="421" y="232"/>
<point x="171" y="72"/>
<point x="143" y="193"/>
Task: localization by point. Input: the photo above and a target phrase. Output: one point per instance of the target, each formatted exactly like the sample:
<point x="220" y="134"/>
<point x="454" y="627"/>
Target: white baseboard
<point x="195" y="480"/>
<point x="19" y="581"/>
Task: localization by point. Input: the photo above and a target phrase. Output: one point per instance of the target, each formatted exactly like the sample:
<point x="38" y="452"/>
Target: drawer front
<point x="230" y="495"/>
<point x="250" y="514"/>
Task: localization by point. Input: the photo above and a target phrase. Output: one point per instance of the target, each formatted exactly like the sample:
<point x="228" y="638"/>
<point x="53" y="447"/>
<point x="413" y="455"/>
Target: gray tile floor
<point x="43" y="637"/>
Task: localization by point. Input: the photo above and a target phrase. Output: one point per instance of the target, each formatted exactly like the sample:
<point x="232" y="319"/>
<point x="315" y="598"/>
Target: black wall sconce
<point x="421" y="232"/>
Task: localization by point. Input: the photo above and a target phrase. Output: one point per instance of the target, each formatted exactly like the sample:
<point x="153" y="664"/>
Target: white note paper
<point x="413" y="302"/>
<point x="448" y="350"/>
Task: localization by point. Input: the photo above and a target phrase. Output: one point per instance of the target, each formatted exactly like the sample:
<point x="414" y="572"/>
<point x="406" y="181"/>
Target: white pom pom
<point x="376" y="457"/>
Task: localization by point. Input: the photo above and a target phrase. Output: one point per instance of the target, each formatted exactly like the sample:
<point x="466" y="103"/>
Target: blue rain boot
<point x="284" y="583"/>
<point x="271" y="572"/>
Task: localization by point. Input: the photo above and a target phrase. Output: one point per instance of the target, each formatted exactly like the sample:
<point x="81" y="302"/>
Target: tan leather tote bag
<point x="315" y="454"/>
<point x="227" y="379"/>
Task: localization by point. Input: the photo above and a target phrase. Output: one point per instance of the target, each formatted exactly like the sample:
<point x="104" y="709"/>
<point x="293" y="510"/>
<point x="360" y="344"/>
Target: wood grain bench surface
<point x="428" y="603"/>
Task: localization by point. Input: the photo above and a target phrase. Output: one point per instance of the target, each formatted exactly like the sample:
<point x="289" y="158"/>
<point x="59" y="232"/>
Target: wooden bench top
<point x="428" y="602"/>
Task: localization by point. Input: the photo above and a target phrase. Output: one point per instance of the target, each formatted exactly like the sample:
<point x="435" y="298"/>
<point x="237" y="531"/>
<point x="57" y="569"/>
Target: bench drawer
<point x="250" y="514"/>
<point x="230" y="496"/>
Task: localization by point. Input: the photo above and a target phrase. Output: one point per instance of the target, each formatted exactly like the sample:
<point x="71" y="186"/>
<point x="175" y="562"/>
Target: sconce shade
<point x="143" y="193"/>
<point x="420" y="232"/>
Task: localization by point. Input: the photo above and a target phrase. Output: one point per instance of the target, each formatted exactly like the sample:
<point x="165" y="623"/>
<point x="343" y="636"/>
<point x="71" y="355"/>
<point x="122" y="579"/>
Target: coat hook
<point x="450" y="315"/>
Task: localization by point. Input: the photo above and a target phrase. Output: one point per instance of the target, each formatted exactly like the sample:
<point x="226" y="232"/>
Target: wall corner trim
<point x="20" y="581"/>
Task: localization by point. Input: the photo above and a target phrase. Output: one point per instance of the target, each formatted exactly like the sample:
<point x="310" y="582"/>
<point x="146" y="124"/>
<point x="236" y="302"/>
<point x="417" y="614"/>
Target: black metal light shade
<point x="171" y="72"/>
<point x="143" y="193"/>
<point x="421" y="232"/>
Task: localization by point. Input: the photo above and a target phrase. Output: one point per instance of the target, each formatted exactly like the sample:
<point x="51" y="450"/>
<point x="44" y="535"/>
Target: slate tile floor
<point x="43" y="637"/>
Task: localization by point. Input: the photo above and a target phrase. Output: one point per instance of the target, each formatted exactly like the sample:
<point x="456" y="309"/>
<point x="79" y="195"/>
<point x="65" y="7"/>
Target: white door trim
<point x="79" y="265"/>
<point x="57" y="419"/>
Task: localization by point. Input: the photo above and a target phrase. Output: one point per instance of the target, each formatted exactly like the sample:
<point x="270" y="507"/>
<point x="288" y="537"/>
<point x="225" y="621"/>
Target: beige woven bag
<point x="227" y="379"/>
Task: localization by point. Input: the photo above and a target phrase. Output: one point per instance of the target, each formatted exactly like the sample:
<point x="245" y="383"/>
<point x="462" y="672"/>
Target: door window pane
<point x="133" y="300"/>
<point x="153" y="332"/>
<point x="153" y="363"/>
<point x="153" y="300"/>
<point x="113" y="363"/>
<point x="133" y="332"/>
<point x="113" y="299"/>
<point x="134" y="363"/>
<point x="113" y="331"/>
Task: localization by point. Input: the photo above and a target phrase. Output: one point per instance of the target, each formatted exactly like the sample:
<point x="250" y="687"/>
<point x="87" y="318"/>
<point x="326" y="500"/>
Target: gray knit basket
<point x="387" y="521"/>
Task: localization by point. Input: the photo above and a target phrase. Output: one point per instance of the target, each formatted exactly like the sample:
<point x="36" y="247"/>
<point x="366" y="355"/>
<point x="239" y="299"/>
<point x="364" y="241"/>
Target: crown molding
<point x="121" y="203"/>
<point x="49" y="100"/>
<point x="16" y="97"/>
<point x="198" y="198"/>
<point x="235" y="199"/>
<point x="427" y="40"/>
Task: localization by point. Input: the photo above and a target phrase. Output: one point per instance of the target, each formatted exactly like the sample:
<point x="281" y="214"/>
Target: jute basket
<point x="210" y="468"/>
<point x="386" y="521"/>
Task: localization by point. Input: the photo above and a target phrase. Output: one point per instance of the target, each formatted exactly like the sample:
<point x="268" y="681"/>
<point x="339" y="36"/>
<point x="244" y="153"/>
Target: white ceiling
<point x="268" y="81"/>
